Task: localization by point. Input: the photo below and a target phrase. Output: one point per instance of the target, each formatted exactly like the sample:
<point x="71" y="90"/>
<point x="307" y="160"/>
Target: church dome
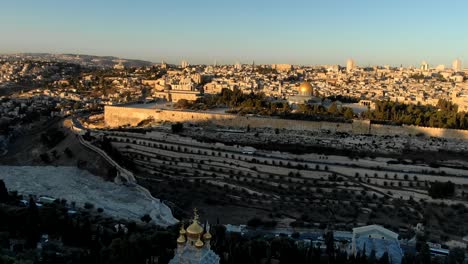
<point x="195" y="229"/>
<point x="199" y="243"/>
<point x="207" y="236"/>
<point x="181" y="239"/>
<point x="182" y="230"/>
<point x="306" y="89"/>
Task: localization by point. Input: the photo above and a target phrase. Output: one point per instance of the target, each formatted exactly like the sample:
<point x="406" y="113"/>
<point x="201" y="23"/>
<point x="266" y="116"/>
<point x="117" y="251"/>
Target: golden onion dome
<point x="181" y="239"/>
<point x="207" y="236"/>
<point x="199" y="243"/>
<point x="194" y="230"/>
<point x="306" y="88"/>
<point x="182" y="230"/>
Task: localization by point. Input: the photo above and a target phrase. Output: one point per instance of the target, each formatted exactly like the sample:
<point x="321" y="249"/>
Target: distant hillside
<point x="85" y="60"/>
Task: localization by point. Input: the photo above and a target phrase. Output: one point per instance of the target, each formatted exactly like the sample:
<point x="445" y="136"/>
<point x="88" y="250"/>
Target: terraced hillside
<point x="309" y="191"/>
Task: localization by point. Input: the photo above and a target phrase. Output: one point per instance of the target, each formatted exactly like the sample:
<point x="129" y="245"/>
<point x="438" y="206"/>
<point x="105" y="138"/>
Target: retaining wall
<point x="117" y="116"/>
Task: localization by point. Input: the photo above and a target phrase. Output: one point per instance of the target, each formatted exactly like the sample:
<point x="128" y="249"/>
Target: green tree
<point x="177" y="127"/>
<point x="32" y="231"/>
<point x="333" y="109"/>
<point x="456" y="256"/>
<point x="182" y="104"/>
<point x="76" y="106"/>
<point x="3" y="192"/>
<point x="441" y="189"/>
<point x="348" y="113"/>
<point x="424" y="255"/>
<point x="146" y="218"/>
<point x="384" y="259"/>
<point x="330" y="244"/>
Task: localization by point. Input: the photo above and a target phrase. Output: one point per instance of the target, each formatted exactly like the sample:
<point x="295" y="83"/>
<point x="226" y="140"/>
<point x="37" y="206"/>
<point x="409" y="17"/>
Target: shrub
<point x="254" y="222"/>
<point x="146" y="218"/>
<point x="45" y="158"/>
<point x="441" y="189"/>
<point x="68" y="152"/>
<point x="177" y="127"/>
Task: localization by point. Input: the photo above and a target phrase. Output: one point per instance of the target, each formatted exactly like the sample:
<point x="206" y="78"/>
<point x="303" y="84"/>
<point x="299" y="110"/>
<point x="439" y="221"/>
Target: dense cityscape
<point x="181" y="132"/>
<point x="317" y="186"/>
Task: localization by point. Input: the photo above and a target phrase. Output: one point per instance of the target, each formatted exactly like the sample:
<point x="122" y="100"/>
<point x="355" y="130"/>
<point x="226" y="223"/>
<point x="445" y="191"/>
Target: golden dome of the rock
<point x="306" y="88"/>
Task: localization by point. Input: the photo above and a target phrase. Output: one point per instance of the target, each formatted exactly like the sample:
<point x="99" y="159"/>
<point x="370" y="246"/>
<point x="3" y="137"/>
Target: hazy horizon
<point x="342" y="64"/>
<point x="267" y="32"/>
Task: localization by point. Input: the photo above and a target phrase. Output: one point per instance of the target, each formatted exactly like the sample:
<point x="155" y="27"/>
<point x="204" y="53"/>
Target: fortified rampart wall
<point x="115" y="116"/>
<point x="416" y="130"/>
<point x="118" y="116"/>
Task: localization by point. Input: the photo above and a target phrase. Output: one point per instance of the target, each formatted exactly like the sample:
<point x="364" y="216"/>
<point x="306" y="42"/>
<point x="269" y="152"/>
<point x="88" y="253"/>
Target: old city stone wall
<point x="117" y="116"/>
<point x="416" y="130"/>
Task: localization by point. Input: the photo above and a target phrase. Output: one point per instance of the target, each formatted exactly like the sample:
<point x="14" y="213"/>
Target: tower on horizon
<point x="424" y="66"/>
<point x="237" y="66"/>
<point x="457" y="65"/>
<point x="184" y="64"/>
<point x="350" y="65"/>
<point x="163" y="64"/>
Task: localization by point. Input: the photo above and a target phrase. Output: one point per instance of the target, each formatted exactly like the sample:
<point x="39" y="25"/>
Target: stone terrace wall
<point x="117" y="116"/>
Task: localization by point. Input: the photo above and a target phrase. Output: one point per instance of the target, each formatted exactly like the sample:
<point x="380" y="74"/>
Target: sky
<point x="308" y="32"/>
